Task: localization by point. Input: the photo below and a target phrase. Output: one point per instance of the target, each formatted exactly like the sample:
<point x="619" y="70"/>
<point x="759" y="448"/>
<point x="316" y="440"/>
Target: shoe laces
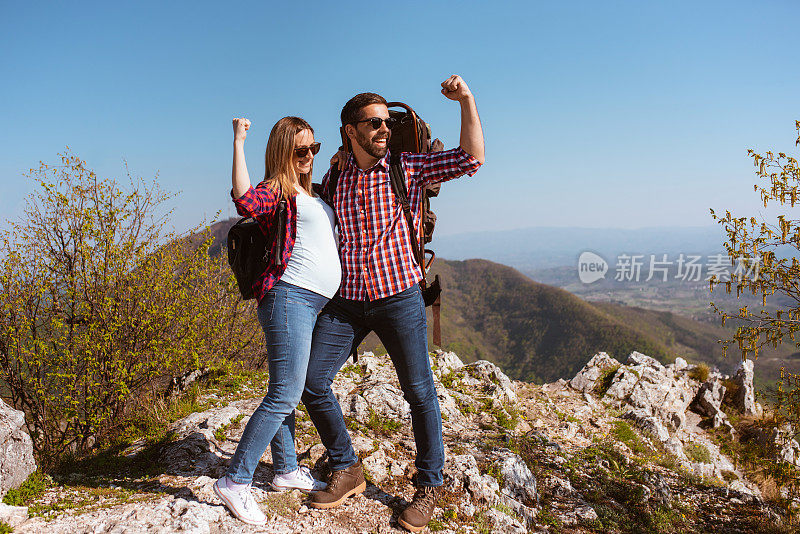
<point x="336" y="476"/>
<point x="425" y="497"/>
<point x="248" y="501"/>
<point x="305" y="473"/>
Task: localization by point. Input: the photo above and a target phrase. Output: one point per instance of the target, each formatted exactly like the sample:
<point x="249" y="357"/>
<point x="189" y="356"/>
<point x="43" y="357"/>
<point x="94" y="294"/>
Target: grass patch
<point x="221" y="433"/>
<point x="36" y="483"/>
<point x="111" y="462"/>
<point x="566" y="417"/>
<point x="700" y="372"/>
<point x="434" y="525"/>
<point x="545" y="516"/>
<point x="697" y="452"/>
<point x="449" y="380"/>
<point x="282" y="503"/>
<point x="605" y="380"/>
<point x="5" y="528"/>
<point x="624" y="433"/>
<point x="382" y="424"/>
<point x="352" y="369"/>
<point x="83" y="499"/>
<point x="494" y="471"/>
<point x="500" y="507"/>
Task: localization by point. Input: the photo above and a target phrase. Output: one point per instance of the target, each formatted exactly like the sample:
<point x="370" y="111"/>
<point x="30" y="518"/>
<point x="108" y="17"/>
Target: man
<point x="380" y="292"/>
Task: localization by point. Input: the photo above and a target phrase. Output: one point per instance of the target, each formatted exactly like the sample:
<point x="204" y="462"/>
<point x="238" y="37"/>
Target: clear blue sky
<point x="599" y="114"/>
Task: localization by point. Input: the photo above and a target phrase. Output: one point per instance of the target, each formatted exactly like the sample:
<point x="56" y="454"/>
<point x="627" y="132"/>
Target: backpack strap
<point x="397" y="177"/>
<point x="401" y="192"/>
<point x="333" y="181"/>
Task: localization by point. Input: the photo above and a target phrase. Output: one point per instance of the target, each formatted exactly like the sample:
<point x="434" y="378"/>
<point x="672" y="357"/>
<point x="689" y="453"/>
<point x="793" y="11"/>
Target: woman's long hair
<point x="279" y="171"/>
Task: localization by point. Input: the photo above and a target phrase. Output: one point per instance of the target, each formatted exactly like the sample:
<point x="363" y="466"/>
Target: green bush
<point x="33" y="486"/>
<point x="100" y="306"/>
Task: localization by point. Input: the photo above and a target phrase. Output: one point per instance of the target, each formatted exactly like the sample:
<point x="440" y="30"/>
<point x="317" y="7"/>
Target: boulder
<point x="489" y="373"/>
<point x="594" y="369"/>
<point x="647" y="423"/>
<point x="744" y="399"/>
<point x="13" y="516"/>
<point x="518" y="481"/>
<point x="708" y="401"/>
<point x="16" y="449"/>
<point x="637" y="358"/>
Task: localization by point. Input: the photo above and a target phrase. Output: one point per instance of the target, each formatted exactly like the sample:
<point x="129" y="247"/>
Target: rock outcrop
<point x="16" y="449"/>
<point x="518" y="458"/>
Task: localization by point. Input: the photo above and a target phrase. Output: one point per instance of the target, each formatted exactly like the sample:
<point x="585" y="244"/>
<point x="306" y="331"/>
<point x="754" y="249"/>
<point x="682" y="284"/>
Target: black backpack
<point x="410" y="134"/>
<point x="249" y="250"/>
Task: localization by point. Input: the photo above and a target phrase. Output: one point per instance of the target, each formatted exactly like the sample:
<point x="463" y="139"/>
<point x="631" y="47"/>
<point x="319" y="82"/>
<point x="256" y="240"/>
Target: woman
<point x="290" y="296"/>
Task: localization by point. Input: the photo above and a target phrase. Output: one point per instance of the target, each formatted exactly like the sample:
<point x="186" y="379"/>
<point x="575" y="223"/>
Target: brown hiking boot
<point x="419" y="512"/>
<point x="342" y="485"/>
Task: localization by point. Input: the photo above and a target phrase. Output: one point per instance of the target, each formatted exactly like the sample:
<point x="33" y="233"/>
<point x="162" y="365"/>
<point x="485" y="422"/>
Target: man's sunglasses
<point x="301" y="151"/>
<point x="375" y="122"/>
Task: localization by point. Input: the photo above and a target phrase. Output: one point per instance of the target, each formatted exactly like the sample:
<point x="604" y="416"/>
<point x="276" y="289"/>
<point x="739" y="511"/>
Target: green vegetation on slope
<point x="541" y="333"/>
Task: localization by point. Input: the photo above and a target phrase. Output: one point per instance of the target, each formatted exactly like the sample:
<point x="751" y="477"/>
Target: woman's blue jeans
<point x="287" y="314"/>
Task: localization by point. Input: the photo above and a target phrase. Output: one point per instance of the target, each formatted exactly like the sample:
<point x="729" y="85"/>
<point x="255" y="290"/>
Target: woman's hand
<point x="240" y="127"/>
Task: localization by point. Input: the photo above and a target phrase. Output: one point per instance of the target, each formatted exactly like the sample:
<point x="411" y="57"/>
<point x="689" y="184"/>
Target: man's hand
<point x="339" y="159"/>
<point x="455" y="88"/>
<point x="240" y="127"/>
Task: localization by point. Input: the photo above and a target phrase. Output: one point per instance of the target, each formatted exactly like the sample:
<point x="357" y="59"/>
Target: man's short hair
<point x="351" y="112"/>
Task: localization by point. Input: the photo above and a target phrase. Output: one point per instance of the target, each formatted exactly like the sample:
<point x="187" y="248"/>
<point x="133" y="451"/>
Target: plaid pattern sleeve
<point x="260" y="200"/>
<point x="375" y="243"/>
<point x="436" y="167"/>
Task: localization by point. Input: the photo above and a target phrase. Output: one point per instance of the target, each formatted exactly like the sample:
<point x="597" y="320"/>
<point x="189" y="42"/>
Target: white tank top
<point x="314" y="263"/>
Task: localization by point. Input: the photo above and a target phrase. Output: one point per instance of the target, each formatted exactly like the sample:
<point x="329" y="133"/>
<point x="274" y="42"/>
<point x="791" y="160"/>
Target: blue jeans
<point x="399" y="321"/>
<point x="287" y="314"/>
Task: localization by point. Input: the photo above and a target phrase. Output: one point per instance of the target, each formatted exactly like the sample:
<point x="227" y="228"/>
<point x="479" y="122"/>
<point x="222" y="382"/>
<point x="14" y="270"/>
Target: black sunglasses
<point x="301" y="151"/>
<point x="375" y="122"/>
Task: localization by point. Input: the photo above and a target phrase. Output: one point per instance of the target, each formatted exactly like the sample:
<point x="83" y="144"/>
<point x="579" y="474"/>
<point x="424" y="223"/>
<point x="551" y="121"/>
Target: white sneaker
<point x="241" y="503"/>
<point x="300" y="478"/>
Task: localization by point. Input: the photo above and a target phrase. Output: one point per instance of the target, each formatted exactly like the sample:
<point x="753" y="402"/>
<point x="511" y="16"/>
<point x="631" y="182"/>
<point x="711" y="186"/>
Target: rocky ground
<point x="631" y="447"/>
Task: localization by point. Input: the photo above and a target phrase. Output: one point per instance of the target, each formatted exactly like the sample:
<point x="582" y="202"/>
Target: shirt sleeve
<point x="436" y="167"/>
<point x="259" y="200"/>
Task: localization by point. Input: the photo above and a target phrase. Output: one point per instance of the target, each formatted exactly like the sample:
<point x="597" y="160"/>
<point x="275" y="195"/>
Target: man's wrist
<point x="238" y="142"/>
<point x="467" y="99"/>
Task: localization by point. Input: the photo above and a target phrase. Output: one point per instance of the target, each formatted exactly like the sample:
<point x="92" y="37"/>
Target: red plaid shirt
<point x="260" y="203"/>
<point x="374" y="241"/>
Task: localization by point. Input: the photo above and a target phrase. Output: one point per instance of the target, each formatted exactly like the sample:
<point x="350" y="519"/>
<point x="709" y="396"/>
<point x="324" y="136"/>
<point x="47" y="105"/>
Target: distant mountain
<point x="542" y="247"/>
<point x="540" y="333"/>
<point x="537" y="332"/>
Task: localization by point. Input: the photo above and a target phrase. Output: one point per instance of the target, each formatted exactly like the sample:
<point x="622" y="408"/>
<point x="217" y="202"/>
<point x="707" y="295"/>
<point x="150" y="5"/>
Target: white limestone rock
<point x="491" y="375"/>
<point x="16" y="449"/>
<point x="13" y="516"/>
<point x="518" y="481"/>
<point x="587" y="377"/>
<point x="745" y="399"/>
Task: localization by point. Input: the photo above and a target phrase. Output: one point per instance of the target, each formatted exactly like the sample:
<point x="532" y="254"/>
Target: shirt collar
<point x="383" y="162"/>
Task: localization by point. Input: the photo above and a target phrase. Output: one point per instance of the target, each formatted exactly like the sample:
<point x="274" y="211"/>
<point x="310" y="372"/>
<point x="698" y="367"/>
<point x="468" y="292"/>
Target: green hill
<point x="541" y="333"/>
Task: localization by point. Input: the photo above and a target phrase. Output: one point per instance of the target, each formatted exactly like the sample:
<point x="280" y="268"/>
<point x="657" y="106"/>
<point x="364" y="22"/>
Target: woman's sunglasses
<point x="375" y="122"/>
<point x="301" y="151"/>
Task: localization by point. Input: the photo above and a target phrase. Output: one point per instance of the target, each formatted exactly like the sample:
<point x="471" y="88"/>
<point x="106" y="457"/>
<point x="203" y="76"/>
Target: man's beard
<point x="365" y="142"/>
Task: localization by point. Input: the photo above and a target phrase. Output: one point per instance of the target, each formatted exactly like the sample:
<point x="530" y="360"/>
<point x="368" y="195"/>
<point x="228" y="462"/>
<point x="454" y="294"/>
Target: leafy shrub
<point x="100" y="306"/>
